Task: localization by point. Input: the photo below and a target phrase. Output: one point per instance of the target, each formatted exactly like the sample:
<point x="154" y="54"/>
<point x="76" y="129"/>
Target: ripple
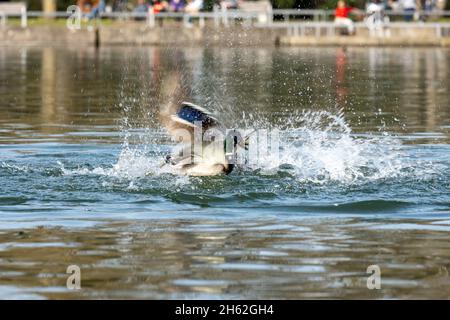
<point x="268" y="267"/>
<point x="13" y="200"/>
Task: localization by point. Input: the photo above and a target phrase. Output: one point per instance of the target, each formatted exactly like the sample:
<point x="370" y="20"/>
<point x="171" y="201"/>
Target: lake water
<point x="364" y="177"/>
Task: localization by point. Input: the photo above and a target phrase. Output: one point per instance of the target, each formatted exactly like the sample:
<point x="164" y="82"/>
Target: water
<point x="364" y="177"/>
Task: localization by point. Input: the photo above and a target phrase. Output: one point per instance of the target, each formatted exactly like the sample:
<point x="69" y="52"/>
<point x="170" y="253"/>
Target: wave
<point x="315" y="148"/>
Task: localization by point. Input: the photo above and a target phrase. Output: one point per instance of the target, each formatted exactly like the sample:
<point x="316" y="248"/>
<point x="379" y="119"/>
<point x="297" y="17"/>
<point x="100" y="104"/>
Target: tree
<point x="37" y="5"/>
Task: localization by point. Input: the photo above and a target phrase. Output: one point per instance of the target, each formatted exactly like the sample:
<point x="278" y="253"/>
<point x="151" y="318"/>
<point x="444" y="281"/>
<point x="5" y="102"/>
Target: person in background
<point x="84" y="5"/>
<point x="440" y="4"/>
<point x="390" y="5"/>
<point x="428" y="7"/>
<point x="119" y="5"/>
<point x="142" y="6"/>
<point x="159" y="6"/>
<point x="97" y="8"/>
<point x="176" y="5"/>
<point x="376" y="20"/>
<point x="375" y="10"/>
<point x="229" y="4"/>
<point x="194" y="6"/>
<point x="341" y="16"/>
<point x="409" y="8"/>
<point x="374" y="6"/>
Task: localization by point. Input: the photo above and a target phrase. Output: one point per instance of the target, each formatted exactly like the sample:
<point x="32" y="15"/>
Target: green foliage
<point x="61" y="5"/>
<point x="208" y="5"/>
<point x="329" y="4"/>
<point x="34" y="5"/>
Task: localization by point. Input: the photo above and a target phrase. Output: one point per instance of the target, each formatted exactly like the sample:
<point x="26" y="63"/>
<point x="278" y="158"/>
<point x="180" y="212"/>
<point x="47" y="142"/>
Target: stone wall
<point x="138" y="33"/>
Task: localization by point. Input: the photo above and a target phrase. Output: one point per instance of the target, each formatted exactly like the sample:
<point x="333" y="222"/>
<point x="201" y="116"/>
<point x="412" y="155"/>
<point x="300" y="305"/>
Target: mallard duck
<point x="206" y="148"/>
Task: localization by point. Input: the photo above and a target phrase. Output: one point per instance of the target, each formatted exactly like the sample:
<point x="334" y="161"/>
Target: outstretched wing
<point x="194" y="114"/>
<point x="188" y="116"/>
<point x="181" y="123"/>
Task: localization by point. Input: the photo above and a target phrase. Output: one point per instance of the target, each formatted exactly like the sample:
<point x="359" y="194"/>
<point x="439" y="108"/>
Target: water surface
<point x="364" y="177"/>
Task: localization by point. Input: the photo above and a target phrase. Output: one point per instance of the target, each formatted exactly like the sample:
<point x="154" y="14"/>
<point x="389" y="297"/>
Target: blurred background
<point x="359" y="92"/>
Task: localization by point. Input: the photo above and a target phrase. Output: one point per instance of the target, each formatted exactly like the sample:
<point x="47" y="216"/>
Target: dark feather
<point x="195" y="114"/>
<point x="189" y="116"/>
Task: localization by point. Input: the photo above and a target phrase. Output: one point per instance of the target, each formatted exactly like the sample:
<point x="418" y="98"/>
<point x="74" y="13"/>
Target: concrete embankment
<point x="139" y="33"/>
<point x="132" y="33"/>
<point x="363" y="41"/>
<point x="46" y="36"/>
<point x="432" y="35"/>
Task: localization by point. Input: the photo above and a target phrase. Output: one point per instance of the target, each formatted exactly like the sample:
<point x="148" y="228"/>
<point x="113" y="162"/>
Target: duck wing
<point x="182" y="122"/>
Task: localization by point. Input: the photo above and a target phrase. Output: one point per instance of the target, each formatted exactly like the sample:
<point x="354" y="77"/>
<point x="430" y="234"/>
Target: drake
<point x="206" y="148"/>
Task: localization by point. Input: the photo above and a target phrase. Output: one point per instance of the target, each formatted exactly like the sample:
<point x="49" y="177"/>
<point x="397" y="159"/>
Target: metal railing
<point x="287" y="14"/>
<point x="2" y="19"/>
<point x="328" y="15"/>
<point x="295" y="21"/>
<point x="319" y="29"/>
<point x="18" y="9"/>
<point x="228" y="17"/>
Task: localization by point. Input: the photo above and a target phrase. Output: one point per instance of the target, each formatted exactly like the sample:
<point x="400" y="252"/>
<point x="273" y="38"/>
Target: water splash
<point x="315" y="147"/>
<point x="319" y="147"/>
<point x="13" y="168"/>
<point x="131" y="164"/>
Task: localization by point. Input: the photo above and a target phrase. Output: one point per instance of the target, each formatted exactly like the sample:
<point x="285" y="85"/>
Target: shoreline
<point x="140" y="34"/>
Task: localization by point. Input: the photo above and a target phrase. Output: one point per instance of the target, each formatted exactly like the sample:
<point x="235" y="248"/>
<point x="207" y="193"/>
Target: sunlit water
<point x="363" y="178"/>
